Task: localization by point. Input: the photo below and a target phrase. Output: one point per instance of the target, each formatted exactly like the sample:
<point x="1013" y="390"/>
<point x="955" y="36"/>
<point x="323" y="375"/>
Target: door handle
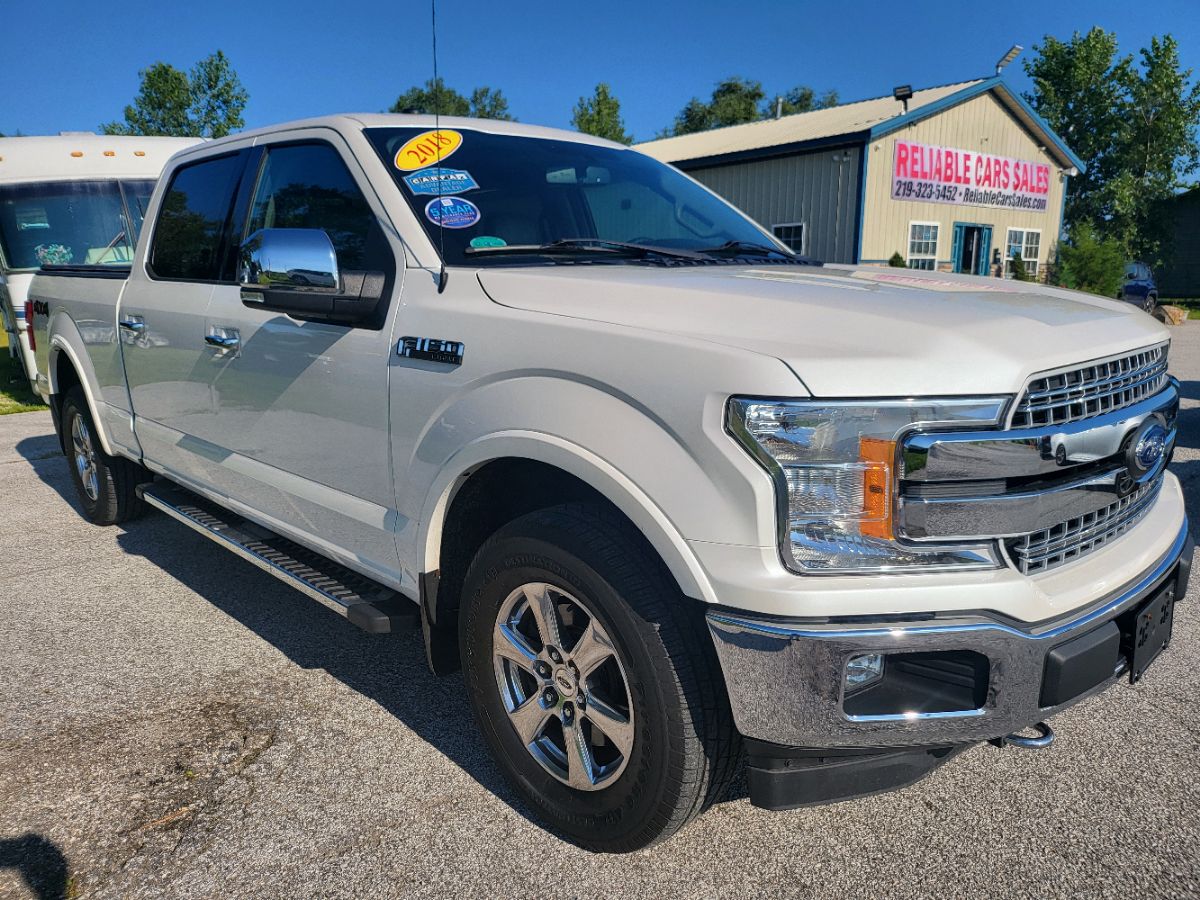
<point x="221" y="340"/>
<point x="135" y="325"/>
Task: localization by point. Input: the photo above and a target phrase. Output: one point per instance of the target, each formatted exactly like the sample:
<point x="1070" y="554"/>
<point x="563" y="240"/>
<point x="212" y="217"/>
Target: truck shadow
<point x="387" y="669"/>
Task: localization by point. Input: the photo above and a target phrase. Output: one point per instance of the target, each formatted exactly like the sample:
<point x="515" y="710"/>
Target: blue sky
<point x="72" y="65"/>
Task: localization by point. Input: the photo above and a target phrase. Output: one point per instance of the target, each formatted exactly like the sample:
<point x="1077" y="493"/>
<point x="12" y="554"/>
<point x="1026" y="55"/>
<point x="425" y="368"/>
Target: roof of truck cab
<point x="355" y="121"/>
<point x="71" y="156"/>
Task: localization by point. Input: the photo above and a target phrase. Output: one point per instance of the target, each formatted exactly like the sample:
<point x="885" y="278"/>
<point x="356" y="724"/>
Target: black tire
<point x="685" y="748"/>
<point x="116" y="478"/>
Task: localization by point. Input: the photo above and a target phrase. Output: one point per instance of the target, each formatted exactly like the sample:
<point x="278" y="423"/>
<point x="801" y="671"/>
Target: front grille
<point x="1066" y="542"/>
<point x="1093" y="389"/>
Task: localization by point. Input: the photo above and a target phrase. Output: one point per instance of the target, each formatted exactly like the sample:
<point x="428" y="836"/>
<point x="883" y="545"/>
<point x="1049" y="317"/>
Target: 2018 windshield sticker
<point x="427" y="148"/>
<point x="452" y="212"/>
<point x="440" y="181"/>
<point x="487" y="240"/>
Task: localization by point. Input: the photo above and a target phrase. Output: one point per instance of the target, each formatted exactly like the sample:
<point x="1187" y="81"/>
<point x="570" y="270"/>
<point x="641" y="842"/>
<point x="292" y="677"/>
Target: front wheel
<point x="593" y="680"/>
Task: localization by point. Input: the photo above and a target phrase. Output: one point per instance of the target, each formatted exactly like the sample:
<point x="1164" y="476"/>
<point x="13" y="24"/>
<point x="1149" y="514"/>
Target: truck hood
<point x="848" y="331"/>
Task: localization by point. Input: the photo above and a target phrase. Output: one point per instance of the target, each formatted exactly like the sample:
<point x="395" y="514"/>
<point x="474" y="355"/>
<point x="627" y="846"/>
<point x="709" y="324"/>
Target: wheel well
<point x="492" y="496"/>
<point x="65" y="378"/>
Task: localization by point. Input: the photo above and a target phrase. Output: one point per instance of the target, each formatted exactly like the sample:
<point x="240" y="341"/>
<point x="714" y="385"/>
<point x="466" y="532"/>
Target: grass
<point x="1191" y="304"/>
<point x="15" y="394"/>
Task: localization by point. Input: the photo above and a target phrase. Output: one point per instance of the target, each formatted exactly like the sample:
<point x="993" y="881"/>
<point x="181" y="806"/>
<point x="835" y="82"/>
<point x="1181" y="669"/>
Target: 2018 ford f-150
<point x="672" y="496"/>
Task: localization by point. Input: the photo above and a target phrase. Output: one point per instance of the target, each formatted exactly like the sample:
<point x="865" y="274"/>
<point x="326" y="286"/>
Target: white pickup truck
<point x="670" y="495"/>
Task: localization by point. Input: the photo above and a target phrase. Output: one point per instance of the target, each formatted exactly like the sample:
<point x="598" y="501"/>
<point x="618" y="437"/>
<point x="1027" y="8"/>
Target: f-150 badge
<point x="432" y="349"/>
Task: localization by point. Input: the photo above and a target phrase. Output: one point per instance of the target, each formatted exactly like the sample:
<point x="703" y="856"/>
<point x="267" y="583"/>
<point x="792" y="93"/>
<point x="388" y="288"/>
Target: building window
<point x="1028" y="243"/>
<point x="791" y="234"/>
<point x="922" y="245"/>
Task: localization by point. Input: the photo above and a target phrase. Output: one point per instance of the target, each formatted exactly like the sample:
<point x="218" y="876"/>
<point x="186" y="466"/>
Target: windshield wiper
<point x="571" y="246"/>
<point x="747" y="248"/>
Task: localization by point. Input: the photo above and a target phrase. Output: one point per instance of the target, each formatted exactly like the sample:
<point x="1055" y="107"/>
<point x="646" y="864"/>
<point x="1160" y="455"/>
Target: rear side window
<point x="309" y="186"/>
<point x="189" y="235"/>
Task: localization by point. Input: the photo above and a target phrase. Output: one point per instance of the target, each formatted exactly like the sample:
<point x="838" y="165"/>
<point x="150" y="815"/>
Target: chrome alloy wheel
<point x="565" y="690"/>
<point x="85" y="457"/>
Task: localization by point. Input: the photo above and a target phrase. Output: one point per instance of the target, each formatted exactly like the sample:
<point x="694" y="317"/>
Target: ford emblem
<point x="1147" y="447"/>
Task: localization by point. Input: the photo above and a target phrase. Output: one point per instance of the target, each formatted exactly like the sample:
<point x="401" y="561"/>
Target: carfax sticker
<point x="440" y="181"/>
<point x="427" y="148"/>
<point x="452" y="212"/>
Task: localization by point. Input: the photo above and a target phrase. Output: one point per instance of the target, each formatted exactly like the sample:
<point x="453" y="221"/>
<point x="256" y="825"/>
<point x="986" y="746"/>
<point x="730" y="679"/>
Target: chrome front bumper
<point x="785" y="677"/>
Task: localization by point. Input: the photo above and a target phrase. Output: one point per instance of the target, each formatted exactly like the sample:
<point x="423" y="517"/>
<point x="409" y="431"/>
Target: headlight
<point x="834" y="465"/>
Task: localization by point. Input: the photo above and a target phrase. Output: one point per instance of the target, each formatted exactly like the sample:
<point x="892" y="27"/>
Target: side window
<point x="191" y="223"/>
<point x="308" y="186"/>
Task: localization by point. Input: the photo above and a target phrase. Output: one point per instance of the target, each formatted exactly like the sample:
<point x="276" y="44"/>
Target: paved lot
<point x="175" y="723"/>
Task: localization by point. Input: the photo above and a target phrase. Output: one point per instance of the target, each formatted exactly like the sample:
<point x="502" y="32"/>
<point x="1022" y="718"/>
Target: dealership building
<point x="957" y="178"/>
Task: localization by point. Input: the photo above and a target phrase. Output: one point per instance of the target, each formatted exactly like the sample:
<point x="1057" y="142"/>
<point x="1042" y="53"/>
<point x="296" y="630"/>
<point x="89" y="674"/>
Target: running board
<point x="366" y="603"/>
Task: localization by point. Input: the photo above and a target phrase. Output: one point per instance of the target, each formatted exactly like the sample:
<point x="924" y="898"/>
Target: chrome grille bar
<point x="1094" y="389"/>
<point x="1076" y="537"/>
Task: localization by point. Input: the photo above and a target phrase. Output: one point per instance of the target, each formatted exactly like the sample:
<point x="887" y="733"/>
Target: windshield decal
<point x="487" y="240"/>
<point x="426" y="149"/>
<point x="440" y="181"/>
<point x="452" y="212"/>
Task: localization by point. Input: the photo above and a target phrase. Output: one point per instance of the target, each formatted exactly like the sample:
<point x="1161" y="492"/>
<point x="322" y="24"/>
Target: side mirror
<point x="288" y="258"/>
<point x="295" y="271"/>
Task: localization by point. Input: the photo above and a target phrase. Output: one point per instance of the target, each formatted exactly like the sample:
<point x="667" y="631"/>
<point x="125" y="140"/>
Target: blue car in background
<point x="1137" y="286"/>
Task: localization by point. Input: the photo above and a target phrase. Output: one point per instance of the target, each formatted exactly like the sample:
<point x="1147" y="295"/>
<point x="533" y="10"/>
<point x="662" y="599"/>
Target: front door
<point x="301" y="407"/>
<point x="162" y="313"/>
<point x="972" y="243"/>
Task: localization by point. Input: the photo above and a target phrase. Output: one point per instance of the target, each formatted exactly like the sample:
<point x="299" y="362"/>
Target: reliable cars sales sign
<point x="932" y="174"/>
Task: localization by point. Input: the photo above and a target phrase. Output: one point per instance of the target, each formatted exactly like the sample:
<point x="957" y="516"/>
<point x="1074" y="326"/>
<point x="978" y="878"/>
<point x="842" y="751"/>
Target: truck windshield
<point x="71" y="222"/>
<point x="502" y="198"/>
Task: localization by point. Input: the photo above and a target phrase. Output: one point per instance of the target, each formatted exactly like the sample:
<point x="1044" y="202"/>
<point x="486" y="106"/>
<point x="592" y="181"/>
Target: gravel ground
<point x="174" y="722"/>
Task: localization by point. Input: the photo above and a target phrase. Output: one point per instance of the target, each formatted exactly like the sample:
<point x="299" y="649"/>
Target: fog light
<point x="863" y="670"/>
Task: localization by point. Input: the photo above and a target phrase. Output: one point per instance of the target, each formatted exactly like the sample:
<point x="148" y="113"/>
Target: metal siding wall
<point x="980" y="124"/>
<point x="802" y="188"/>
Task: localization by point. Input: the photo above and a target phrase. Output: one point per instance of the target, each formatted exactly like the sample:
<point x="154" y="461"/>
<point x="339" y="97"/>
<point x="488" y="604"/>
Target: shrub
<point x="1087" y="263"/>
<point x="897" y="261"/>
<point x="1019" y="272"/>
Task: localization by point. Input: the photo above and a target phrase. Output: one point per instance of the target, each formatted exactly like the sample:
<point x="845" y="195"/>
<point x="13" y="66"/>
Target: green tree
<point x="488" y="103"/>
<point x="800" y="99"/>
<point x="435" y="97"/>
<point x="1079" y="90"/>
<point x="1135" y="128"/>
<point x="734" y="101"/>
<point x="1159" y="149"/>
<point x="600" y="115"/>
<point x="1089" y="263"/>
<point x="897" y="261"/>
<point x="207" y="102"/>
<point x="218" y="97"/>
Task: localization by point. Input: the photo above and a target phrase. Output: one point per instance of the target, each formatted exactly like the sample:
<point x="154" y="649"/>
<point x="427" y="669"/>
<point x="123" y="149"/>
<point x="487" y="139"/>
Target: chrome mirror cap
<point x="288" y="258"/>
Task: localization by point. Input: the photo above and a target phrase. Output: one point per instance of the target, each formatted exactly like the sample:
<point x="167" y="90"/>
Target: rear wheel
<point x="105" y="484"/>
<point x="593" y="680"/>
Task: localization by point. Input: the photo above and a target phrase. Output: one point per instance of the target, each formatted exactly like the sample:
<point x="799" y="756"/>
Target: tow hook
<point x="1044" y="738"/>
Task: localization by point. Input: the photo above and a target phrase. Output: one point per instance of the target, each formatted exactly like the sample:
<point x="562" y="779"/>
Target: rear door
<point x="162" y="313"/>
<point x="300" y="408"/>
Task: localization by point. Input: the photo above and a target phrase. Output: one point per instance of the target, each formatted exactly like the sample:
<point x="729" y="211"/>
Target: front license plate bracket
<point x="1149" y="631"/>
